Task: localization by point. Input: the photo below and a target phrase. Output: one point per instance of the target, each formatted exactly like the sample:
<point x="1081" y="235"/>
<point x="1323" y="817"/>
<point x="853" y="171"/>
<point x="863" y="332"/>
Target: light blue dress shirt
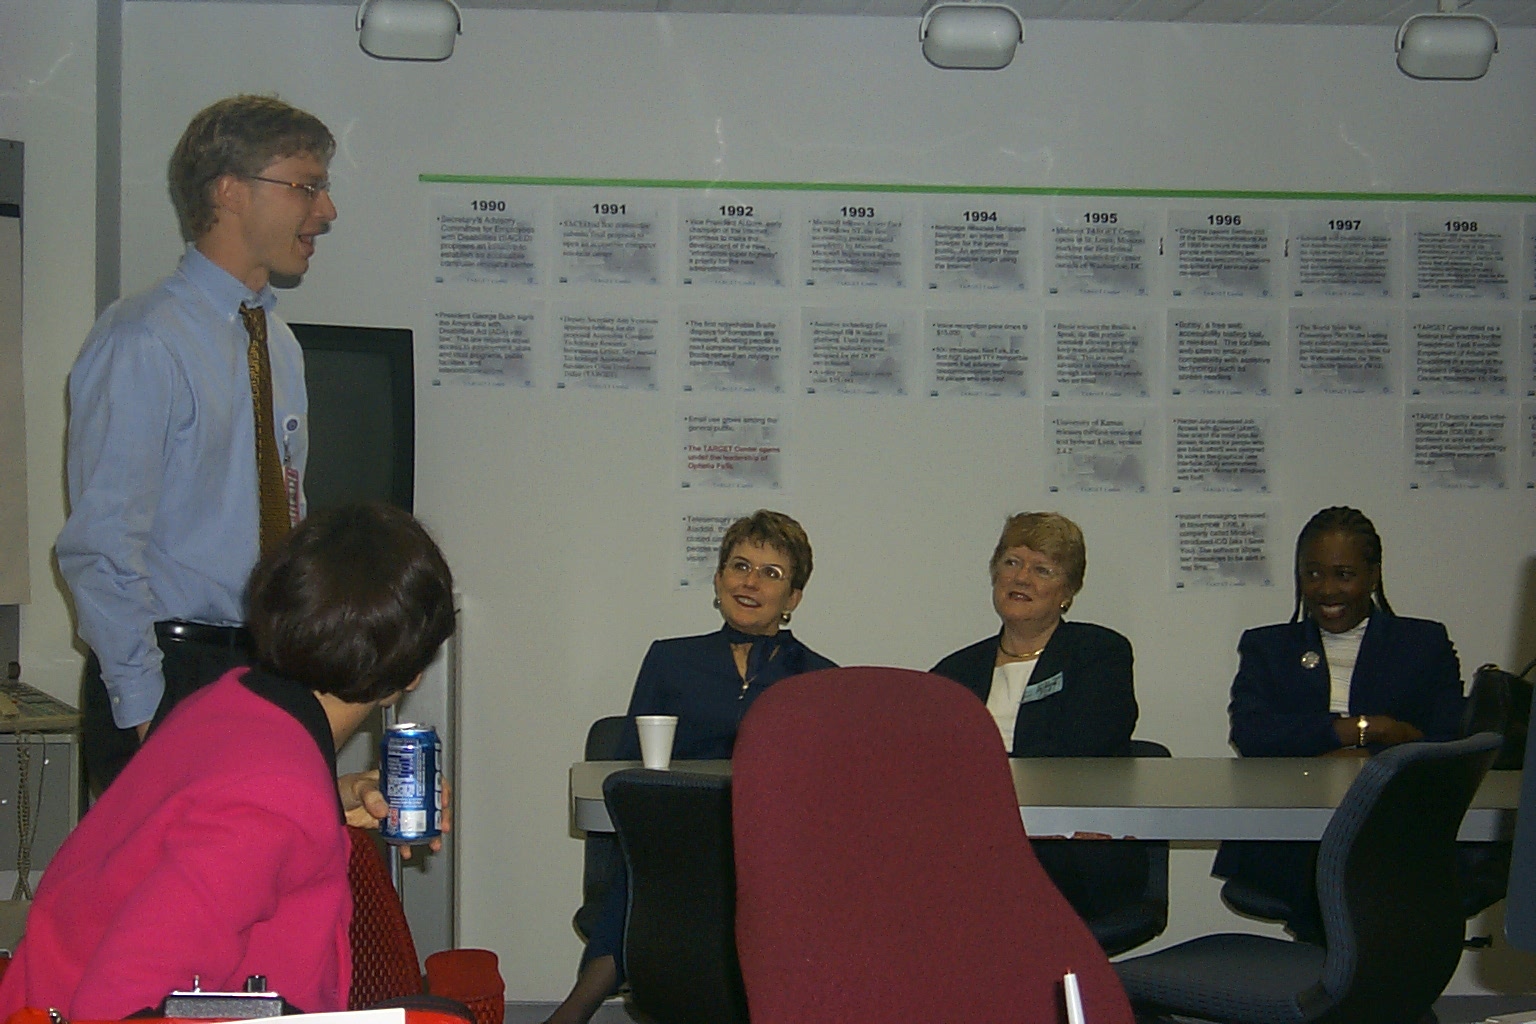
<point x="162" y="469"/>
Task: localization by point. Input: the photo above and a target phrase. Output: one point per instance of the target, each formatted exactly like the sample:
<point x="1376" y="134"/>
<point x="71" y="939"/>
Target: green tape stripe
<point x="971" y="190"/>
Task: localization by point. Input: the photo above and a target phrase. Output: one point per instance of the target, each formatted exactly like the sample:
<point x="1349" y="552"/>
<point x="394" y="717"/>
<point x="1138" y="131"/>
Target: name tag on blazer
<point x="1041" y="690"/>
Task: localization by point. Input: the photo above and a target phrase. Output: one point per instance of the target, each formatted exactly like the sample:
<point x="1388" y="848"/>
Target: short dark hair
<point x="1351" y="522"/>
<point x="239" y="135"/>
<point x="773" y="530"/>
<point x="355" y="602"/>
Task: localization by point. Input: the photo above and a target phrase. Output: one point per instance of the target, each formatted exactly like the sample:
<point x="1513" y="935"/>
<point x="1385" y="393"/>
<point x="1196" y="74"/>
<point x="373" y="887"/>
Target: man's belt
<point x="178" y="632"/>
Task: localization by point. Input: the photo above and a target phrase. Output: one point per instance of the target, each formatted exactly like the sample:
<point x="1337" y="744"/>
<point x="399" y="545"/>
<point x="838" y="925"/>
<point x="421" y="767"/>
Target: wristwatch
<point x="1361" y="724"/>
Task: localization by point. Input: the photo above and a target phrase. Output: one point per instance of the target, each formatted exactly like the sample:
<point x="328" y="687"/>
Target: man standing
<point x="188" y="425"/>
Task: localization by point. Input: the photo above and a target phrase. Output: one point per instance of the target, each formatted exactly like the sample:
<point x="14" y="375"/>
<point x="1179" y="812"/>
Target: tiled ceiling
<point x="1503" y="13"/>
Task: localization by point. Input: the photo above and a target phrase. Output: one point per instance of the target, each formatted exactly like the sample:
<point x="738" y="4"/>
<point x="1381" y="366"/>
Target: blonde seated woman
<point x="1056" y="688"/>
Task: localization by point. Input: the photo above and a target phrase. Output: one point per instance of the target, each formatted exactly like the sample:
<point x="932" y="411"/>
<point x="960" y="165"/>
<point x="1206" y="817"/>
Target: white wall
<point x="47" y="100"/>
<point x="556" y="509"/>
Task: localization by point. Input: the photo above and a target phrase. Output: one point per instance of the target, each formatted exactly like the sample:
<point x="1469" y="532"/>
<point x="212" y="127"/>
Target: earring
<point x="717" y="602"/>
<point x="784" y="618"/>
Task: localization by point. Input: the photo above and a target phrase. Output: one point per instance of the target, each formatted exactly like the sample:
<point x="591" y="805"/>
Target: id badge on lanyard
<point x="290" y="475"/>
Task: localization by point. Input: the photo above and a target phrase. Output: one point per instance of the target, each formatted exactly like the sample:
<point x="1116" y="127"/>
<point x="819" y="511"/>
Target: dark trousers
<point x="187" y="665"/>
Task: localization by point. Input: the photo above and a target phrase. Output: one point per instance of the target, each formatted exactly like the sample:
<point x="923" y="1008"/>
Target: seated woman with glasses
<point x="1056" y="689"/>
<point x="709" y="682"/>
<point x="1344" y="677"/>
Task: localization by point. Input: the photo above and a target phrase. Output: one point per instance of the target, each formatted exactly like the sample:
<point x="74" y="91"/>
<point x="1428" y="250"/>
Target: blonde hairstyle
<point x="1050" y="533"/>
<point x="239" y="135"/>
<point x="774" y="530"/>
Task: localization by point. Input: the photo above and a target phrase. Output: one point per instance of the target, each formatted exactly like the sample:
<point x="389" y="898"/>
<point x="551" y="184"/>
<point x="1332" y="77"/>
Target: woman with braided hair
<point x="1345" y="677"/>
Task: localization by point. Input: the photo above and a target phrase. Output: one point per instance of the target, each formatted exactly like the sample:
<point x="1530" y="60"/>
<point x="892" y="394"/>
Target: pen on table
<point x="1074" y="999"/>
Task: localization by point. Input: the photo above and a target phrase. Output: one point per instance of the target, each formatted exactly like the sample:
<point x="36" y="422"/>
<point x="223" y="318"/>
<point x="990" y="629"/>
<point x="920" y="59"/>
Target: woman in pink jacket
<point x="220" y="851"/>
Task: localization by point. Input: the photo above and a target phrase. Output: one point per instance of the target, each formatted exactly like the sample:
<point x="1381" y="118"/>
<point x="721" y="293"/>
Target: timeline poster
<point x="1214" y="352"/>
<point x="701" y="536"/>
<point x="1344" y="351"/>
<point x="1097" y="450"/>
<point x="977" y="244"/>
<point x="607" y="350"/>
<point x="1461" y="447"/>
<point x="1098" y="249"/>
<point x="1457" y="254"/>
<point x="607" y="237"/>
<point x="736" y="240"/>
<point x="481" y="346"/>
<point x="486" y="238"/>
<point x="1231" y="547"/>
<point x="853" y="354"/>
<point x="973" y="356"/>
<point x="1527" y="353"/>
<point x="1098" y="355"/>
<point x="1528" y="445"/>
<point x="1223" y="253"/>
<point x="1460" y="353"/>
<point x="1221" y="452"/>
<point x="731" y="449"/>
<point x="733" y="349"/>
<point x="1530" y="257"/>
<point x="856" y="240"/>
<point x="1344" y="252"/>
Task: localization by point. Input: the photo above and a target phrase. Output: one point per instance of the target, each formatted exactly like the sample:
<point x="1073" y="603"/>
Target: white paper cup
<point x="656" y="732"/>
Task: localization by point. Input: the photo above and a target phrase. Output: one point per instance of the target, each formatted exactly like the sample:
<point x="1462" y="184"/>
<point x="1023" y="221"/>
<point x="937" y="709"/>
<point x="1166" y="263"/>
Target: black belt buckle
<point x="177" y="631"/>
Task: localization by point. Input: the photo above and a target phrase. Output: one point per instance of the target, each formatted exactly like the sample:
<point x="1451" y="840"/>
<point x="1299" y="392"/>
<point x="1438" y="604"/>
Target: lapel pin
<point x="1310" y="660"/>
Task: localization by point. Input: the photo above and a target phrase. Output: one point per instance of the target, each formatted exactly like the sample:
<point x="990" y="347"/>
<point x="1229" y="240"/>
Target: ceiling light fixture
<point x="409" y="29"/>
<point x="1446" y="45"/>
<point x="970" y="36"/>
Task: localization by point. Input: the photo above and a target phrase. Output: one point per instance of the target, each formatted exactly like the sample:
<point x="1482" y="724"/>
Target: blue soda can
<point x="410" y="767"/>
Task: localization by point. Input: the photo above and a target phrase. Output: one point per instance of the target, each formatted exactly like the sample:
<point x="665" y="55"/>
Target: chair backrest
<point x="1520" y="914"/>
<point x="604" y="738"/>
<point x="384" y="962"/>
<point x="471" y="977"/>
<point x="679" y="932"/>
<point x="600" y="859"/>
<point x="883" y="872"/>
<point x="1386" y="879"/>
<point x="1499" y="701"/>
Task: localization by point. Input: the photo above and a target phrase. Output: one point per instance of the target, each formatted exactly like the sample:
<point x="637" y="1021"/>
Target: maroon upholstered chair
<point x="385" y="967"/>
<point x="882" y="870"/>
<point x="384" y="961"/>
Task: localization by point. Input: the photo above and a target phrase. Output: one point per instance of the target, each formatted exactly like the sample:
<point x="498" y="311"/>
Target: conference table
<point x="1195" y="799"/>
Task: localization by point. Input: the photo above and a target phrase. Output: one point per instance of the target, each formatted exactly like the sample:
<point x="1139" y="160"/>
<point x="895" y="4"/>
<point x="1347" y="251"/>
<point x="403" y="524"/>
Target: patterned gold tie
<point x="272" y="495"/>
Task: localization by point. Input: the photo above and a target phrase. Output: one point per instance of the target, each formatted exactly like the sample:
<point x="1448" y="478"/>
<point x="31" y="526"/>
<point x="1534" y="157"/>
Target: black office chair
<point x="600" y="851"/>
<point x="1386" y="881"/>
<point x="1496" y="703"/>
<point x="680" y="927"/>
<point x="1482" y="868"/>
<point x="1141" y="919"/>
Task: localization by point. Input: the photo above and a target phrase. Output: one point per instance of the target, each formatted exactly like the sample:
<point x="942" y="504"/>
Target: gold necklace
<point x="1021" y="657"/>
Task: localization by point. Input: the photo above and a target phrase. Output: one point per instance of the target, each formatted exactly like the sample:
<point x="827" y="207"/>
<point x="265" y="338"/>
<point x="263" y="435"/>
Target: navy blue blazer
<point x="695" y="678"/>
<point x="1094" y="712"/>
<point x="1406" y="668"/>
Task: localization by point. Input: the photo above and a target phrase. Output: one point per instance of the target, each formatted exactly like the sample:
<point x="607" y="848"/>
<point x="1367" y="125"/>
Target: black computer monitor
<point x="362" y="414"/>
<point x="1520" y="902"/>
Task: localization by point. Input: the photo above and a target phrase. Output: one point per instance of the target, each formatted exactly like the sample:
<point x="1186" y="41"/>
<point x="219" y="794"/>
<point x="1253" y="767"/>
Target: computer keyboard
<point x="25" y="708"/>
